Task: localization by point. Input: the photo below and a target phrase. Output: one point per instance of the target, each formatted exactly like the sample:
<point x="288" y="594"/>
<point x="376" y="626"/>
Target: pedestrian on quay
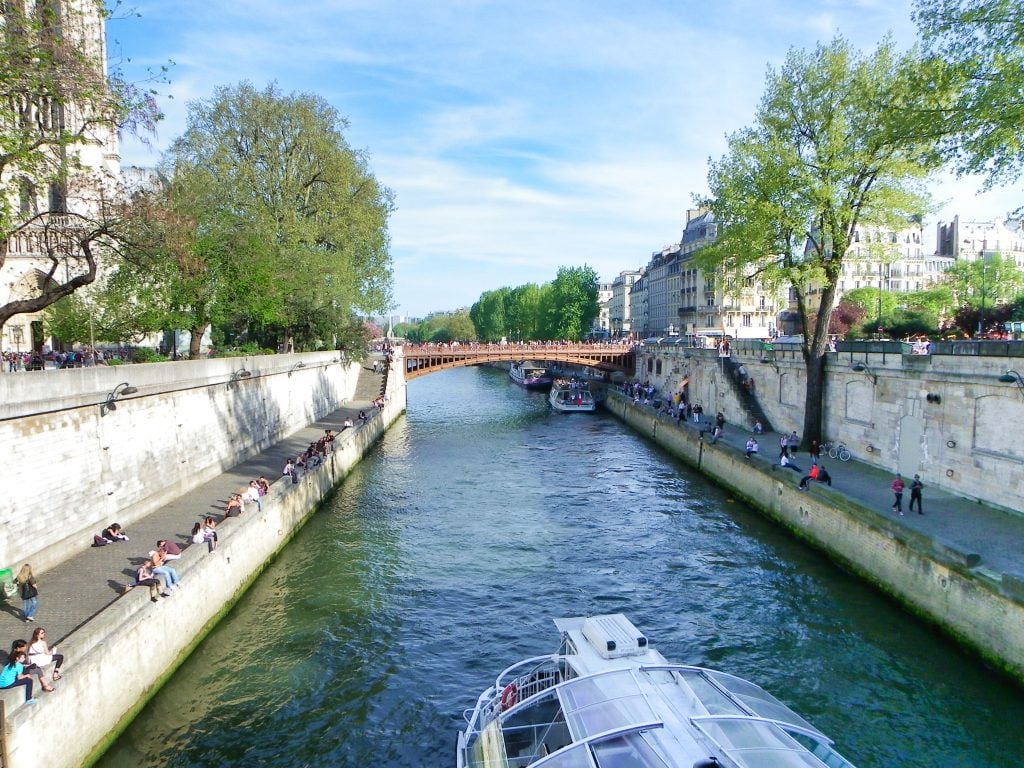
<point x="751" y="447"/>
<point x="815" y="451"/>
<point x="811" y="475"/>
<point x="784" y="446"/>
<point x="897" y="489"/>
<point x="13" y="674"/>
<point x="42" y="655"/>
<point x="787" y="462"/>
<point x="916" y="487"/>
<point x="28" y="590"/>
<point x="823" y="476"/>
<point x="794" y="443"/>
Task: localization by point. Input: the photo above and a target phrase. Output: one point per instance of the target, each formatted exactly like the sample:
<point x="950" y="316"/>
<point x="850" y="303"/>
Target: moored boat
<point x="606" y="699"/>
<point x="572" y="397"/>
<point x="530" y="375"/>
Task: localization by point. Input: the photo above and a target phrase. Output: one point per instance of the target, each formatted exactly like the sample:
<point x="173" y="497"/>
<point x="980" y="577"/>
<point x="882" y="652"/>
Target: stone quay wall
<point x="72" y="464"/>
<point x="945" y="416"/>
<point x="926" y="575"/>
<point x="122" y="656"/>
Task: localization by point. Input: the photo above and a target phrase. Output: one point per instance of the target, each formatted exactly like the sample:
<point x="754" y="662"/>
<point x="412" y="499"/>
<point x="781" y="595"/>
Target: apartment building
<point x="683" y="299"/>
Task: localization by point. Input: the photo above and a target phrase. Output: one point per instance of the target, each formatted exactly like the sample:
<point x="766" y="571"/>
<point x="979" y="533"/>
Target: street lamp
<point x="981" y="315"/>
<point x="1012" y="377"/>
<point x="108" y="405"/>
<point x="863" y="368"/>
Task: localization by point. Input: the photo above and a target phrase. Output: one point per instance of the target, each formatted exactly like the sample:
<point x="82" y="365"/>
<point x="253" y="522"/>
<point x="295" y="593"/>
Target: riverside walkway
<point x="81" y="587"/>
<point x="991" y="537"/>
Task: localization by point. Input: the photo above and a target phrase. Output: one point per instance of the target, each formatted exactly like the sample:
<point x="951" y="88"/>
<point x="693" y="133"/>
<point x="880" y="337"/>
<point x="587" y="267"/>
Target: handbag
<point x="28" y="590"/>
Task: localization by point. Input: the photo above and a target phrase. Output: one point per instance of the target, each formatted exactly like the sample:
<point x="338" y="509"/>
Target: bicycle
<point x="837" y="451"/>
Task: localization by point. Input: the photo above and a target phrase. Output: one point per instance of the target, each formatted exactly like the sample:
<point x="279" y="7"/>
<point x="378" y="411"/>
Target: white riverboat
<point x="530" y="375"/>
<point x="607" y="699"/>
<point x="572" y="397"/>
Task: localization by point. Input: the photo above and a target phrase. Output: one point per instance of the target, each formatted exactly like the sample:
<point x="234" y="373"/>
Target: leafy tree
<point x="573" y="303"/>
<point x="982" y="43"/>
<point x="278" y="168"/>
<point x="488" y="315"/>
<point x="834" y="147"/>
<point x="56" y="103"/>
<point x="986" y="281"/>
<point x="522" y="310"/>
<point x="845" y="317"/>
<point x="879" y="307"/>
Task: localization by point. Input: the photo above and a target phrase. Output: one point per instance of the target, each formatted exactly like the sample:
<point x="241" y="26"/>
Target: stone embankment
<point x="960" y="565"/>
<point x="121" y="647"/>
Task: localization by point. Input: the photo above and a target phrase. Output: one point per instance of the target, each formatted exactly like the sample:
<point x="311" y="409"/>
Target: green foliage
<point x="828" y="154"/>
<point x="68" y="320"/>
<point x="269" y="224"/>
<point x="980" y="44"/>
<point x="562" y="309"/>
<point x="488" y="315"/>
<point x="986" y="281"/>
<point x="147" y="355"/>
<point x="440" y="328"/>
<point x="837" y="145"/>
<point x="573" y="303"/>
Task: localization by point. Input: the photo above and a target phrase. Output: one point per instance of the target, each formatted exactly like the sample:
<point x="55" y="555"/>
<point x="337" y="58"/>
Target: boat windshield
<point x="754" y="744"/>
<point x="603" y="703"/>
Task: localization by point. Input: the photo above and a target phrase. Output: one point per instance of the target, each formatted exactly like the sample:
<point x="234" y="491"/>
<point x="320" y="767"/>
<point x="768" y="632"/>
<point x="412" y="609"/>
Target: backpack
<point x="99" y="541"/>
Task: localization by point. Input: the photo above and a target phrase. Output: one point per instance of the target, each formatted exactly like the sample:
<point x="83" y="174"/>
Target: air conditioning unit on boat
<point x="614" y="636"/>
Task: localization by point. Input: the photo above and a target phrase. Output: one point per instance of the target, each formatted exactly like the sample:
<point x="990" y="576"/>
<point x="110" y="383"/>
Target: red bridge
<point x="421" y="360"/>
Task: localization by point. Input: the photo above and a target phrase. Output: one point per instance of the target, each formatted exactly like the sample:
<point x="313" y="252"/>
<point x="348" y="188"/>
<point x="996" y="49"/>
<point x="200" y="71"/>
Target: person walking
<point x="28" y="589"/>
<point x="915" y="494"/>
<point x="897" y="489"/>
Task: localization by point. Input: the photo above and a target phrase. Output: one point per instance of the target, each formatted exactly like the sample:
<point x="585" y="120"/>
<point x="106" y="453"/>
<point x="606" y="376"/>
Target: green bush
<point x="147" y="355"/>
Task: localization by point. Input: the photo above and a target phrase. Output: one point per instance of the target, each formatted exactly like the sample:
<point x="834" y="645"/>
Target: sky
<point x="518" y="136"/>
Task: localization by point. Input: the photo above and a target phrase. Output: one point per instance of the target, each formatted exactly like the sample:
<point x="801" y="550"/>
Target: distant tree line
<point x="562" y="309"/>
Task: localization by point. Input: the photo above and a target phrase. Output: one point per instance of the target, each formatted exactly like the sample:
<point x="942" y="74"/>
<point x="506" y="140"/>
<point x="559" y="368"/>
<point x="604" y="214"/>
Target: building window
<point x="746" y="321"/>
<point x="58" y="198"/>
<point x="27" y="197"/>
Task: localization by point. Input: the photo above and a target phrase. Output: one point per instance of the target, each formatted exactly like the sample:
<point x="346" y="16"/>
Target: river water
<point x="479" y="518"/>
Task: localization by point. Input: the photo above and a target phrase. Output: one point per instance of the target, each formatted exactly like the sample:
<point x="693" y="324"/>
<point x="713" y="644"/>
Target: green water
<point x="482" y="516"/>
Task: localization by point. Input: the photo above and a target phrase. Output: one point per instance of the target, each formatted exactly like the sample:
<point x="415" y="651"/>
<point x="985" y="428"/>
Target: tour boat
<point x="572" y="398"/>
<point x="530" y="375"/>
<point x="608" y="699"/>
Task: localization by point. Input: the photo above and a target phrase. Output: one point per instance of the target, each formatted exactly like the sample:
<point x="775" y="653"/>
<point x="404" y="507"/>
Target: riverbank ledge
<point x="936" y="573"/>
<point x="119" y="657"/>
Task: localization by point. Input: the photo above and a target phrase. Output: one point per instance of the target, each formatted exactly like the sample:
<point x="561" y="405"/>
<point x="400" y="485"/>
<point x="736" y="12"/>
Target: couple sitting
<point x="816" y="473"/>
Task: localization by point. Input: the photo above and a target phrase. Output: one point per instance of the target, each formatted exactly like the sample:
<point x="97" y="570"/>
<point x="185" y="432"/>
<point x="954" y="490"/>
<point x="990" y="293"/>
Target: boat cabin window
<point x="760" y="702"/>
<point x="753" y="744"/>
<point x="602" y="703"/>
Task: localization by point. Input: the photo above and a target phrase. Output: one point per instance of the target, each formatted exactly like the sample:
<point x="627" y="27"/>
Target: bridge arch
<point x="420" y="361"/>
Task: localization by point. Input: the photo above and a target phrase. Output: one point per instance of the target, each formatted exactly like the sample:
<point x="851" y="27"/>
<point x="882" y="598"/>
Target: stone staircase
<point x="746" y="395"/>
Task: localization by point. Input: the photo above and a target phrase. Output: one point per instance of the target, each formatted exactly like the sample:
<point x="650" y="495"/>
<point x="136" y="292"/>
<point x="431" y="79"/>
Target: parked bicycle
<point x="837" y="451"/>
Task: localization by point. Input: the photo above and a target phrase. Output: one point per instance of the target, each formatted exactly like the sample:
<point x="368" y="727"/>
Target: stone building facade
<point x="80" y="179"/>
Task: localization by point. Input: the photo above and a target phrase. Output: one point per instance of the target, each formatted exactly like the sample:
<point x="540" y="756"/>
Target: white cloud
<point x="517" y="136"/>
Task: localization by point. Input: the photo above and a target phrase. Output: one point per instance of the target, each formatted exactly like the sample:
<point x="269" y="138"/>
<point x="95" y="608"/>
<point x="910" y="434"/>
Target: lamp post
<point x="17" y="336"/>
<point x="981" y="314"/>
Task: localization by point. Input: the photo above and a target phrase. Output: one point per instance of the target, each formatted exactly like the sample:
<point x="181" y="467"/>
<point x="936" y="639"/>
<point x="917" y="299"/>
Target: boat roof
<point x="628" y="707"/>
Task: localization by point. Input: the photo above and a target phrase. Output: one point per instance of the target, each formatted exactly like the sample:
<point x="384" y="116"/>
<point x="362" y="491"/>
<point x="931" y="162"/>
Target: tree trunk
<point x="814" y="406"/>
<point x="197" y="332"/>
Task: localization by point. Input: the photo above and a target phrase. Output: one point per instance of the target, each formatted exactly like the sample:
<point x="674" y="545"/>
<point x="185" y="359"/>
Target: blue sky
<point x="518" y="136"/>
